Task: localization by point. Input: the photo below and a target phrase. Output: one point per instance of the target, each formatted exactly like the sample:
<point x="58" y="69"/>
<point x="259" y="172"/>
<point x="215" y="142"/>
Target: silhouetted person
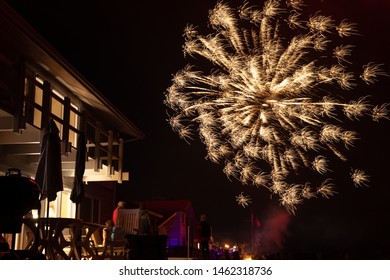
<point x="204" y="236"/>
<point x="145" y="225"/>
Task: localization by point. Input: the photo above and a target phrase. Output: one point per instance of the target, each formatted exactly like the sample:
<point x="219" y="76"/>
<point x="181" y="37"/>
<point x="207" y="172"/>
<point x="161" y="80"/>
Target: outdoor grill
<point x="19" y="195"/>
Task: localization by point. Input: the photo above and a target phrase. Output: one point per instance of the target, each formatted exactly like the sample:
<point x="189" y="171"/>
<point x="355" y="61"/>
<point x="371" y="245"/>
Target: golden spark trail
<point x="276" y="104"/>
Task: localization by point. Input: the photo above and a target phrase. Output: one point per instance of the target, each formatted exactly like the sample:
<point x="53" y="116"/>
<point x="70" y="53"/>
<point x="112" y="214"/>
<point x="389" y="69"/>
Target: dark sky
<point x="130" y="49"/>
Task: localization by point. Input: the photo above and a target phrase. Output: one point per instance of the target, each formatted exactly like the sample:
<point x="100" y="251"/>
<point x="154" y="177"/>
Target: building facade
<point x="38" y="85"/>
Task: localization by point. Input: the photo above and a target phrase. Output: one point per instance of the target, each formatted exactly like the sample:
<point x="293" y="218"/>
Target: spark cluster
<point x="271" y="96"/>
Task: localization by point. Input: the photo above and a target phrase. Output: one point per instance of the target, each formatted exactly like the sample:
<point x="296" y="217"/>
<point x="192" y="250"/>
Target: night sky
<point x="130" y="49"/>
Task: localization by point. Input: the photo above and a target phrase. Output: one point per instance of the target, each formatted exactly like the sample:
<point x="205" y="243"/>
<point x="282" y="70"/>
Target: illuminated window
<point x="38" y="100"/>
<point x="38" y="96"/>
<point x="57" y="108"/>
<point x="37" y="118"/>
<point x="73" y="122"/>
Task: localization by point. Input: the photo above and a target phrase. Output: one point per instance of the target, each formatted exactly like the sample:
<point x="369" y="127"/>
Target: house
<point x="37" y="85"/>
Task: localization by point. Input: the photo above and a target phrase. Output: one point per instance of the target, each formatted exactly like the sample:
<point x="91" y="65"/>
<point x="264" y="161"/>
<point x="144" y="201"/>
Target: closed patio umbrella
<point x="77" y="194"/>
<point x="49" y="172"/>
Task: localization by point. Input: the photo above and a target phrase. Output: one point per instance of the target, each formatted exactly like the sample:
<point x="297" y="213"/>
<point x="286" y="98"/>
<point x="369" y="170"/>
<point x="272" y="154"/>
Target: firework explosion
<point x="273" y="106"/>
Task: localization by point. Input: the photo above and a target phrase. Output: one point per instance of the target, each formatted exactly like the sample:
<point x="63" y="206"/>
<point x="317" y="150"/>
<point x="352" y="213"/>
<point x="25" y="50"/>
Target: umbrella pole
<point x="47" y="208"/>
<point x="46" y="231"/>
<point x="77" y="211"/>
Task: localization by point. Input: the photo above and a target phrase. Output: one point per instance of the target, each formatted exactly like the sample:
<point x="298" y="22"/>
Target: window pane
<point x="38" y="97"/>
<point x="37" y="118"/>
<point x="73" y="119"/>
<point x="56" y="108"/>
<point x="72" y="138"/>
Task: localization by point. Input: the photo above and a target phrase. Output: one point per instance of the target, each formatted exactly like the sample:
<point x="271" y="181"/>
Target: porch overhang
<point x="22" y="150"/>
